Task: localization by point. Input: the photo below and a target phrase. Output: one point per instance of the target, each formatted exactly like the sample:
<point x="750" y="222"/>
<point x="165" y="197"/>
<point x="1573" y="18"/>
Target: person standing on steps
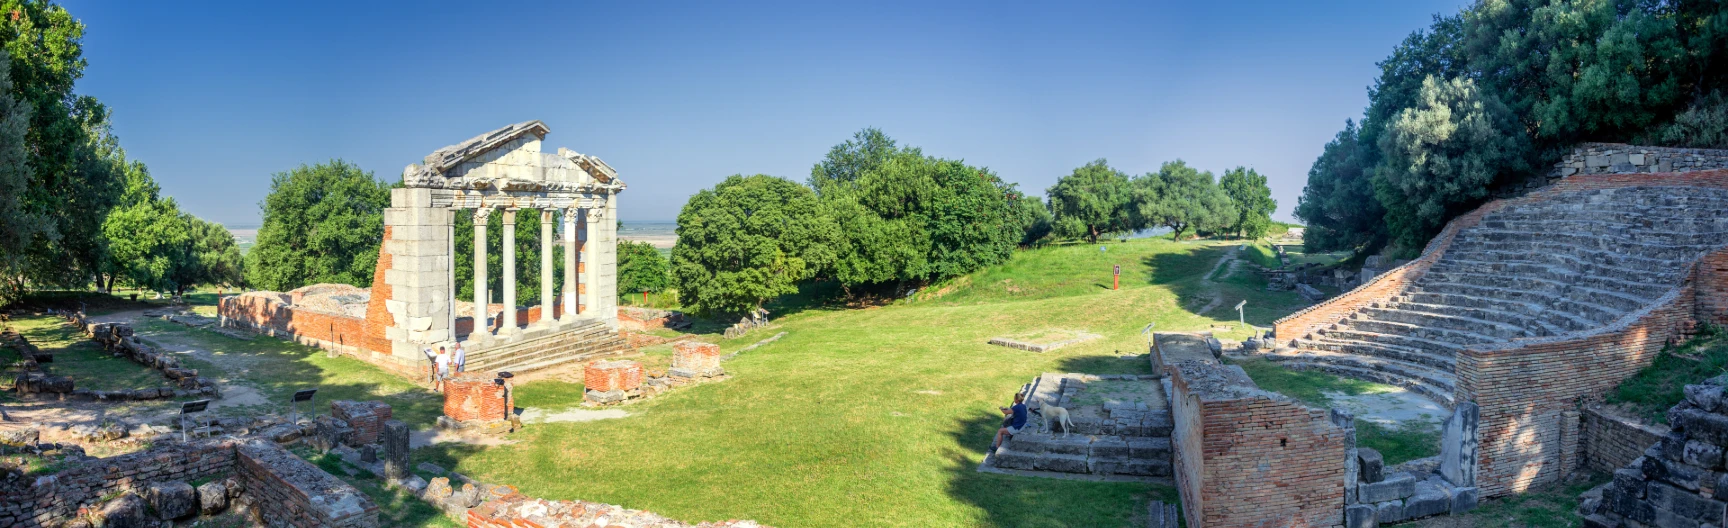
<point x="461" y="359"/>
<point x="441" y="369"/>
<point x="1015" y="421"/>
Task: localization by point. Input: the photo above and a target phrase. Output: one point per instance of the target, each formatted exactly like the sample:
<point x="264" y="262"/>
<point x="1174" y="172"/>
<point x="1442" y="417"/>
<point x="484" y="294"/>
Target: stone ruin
<point x="1121" y="428"/>
<point x="621" y="381"/>
<point x="34" y="380"/>
<point x="1680" y="480"/>
<point x="412" y="304"/>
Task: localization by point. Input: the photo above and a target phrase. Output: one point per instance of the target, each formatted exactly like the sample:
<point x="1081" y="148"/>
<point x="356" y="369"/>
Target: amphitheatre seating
<point x="1570" y="263"/>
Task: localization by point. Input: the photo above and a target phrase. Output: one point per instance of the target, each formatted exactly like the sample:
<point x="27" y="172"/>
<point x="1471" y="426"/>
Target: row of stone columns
<point x="572" y="248"/>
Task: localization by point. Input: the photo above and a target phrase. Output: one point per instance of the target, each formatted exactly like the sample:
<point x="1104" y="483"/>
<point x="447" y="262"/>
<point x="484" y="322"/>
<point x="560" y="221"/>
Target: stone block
<point x="1676" y="473"/>
<point x="695" y="356"/>
<point x="1068" y="445"/>
<point x="1630" y="481"/>
<point x="1110" y="447"/>
<point x="1006" y="459"/>
<point x="1702" y="455"/>
<point x="125" y="510"/>
<point x="396" y="449"/>
<point x="1062" y="464"/>
<point x="1464" y="499"/>
<point x="212" y="497"/>
<point x="1428" y="500"/>
<point x="1157" y="447"/>
<point x="172" y="500"/>
<point x="1148" y="468"/>
<point x="612" y="396"/>
<point x="1663" y="497"/>
<point x="1360" y="516"/>
<point x="1393" y="487"/>
<point x="1389" y="511"/>
<point x="1370" y="465"/>
<point x="621" y="375"/>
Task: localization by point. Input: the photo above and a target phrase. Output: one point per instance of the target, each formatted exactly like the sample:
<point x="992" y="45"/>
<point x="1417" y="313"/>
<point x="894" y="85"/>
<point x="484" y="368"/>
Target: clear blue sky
<point x="217" y="97"/>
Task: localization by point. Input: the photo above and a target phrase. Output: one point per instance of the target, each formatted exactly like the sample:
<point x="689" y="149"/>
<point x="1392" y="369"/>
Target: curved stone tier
<point x="1557" y="263"/>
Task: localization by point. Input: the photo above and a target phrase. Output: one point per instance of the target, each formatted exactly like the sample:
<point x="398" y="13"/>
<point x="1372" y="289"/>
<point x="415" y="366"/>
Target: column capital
<point x="481" y="214"/>
<point x="595" y="215"/>
<point x="510" y="214"/>
<point x="570" y="214"/>
<point x="545" y="216"/>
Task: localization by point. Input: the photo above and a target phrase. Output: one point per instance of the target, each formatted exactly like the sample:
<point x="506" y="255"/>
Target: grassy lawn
<point x="87" y="364"/>
<point x="1398" y="444"/>
<point x="1659" y="386"/>
<point x="857" y="417"/>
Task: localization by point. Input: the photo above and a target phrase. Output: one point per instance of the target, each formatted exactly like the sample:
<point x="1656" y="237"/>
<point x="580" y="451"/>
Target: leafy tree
<point x="747" y="240"/>
<point x="906" y="217"/>
<point x="868" y="149"/>
<point x="216" y="259"/>
<point x="1093" y="201"/>
<point x="1182" y="198"/>
<point x="1338" y="204"/>
<point x="147" y="238"/>
<point x="73" y="180"/>
<point x="1253" y="199"/>
<point x="1030" y="211"/>
<point x="641" y="269"/>
<point x="18" y="224"/>
<point x="1442" y="156"/>
<point x="1703" y="125"/>
<point x="322" y="224"/>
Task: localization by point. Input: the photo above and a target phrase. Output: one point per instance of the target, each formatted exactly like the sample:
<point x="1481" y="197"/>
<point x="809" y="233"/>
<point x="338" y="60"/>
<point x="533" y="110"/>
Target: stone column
<point x="481" y="329"/>
<point x="509" y="327"/>
<point x="590" y="265"/>
<point x="606" y="262"/>
<point x="395" y="440"/>
<point x="570" y="263"/>
<point x="450" y="273"/>
<point x="546" y="269"/>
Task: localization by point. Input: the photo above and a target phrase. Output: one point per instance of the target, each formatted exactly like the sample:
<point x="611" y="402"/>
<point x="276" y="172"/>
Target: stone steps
<point x="1083" y="454"/>
<point x="1464" y="325"/>
<point x="1362" y="323"/>
<point x="1425" y="381"/>
<point x="1531" y="321"/>
<point x="1389" y="346"/>
<point x="588" y="341"/>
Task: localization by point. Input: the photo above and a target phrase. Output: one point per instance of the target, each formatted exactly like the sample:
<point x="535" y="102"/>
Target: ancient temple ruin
<point x="413" y="302"/>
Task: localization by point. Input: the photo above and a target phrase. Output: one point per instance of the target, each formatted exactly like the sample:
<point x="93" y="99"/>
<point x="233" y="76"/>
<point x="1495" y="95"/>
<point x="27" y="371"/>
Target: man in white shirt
<point x="440" y="369"/>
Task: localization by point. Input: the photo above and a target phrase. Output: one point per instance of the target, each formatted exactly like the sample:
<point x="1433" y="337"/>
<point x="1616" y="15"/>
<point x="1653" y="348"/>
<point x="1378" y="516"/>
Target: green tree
<point x="146" y="237"/>
<point x="19" y="225"/>
<point x="868" y="149"/>
<point x="1338" y="203"/>
<point x="1093" y="201"/>
<point x="1253" y="199"/>
<point x="747" y="240"/>
<point x="527" y="256"/>
<point x="641" y="269"/>
<point x="322" y="224"/>
<point x="1031" y="212"/>
<point x="1441" y="158"/>
<point x="73" y="180"/>
<point x="1181" y="198"/>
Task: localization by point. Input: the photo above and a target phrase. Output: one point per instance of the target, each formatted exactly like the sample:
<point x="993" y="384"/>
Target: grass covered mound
<point x="1651" y="391"/>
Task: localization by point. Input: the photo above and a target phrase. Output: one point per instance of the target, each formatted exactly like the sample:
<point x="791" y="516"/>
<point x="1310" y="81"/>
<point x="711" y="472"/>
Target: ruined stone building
<point x="413" y="305"/>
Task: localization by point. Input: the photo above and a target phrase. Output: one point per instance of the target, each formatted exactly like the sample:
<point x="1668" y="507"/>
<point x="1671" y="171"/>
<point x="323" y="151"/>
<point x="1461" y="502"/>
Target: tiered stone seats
<point x="1567" y="264"/>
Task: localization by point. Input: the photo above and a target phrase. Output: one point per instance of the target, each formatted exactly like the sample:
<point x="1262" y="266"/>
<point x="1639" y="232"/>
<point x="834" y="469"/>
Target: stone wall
<point x="51" y="499"/>
<point x="1679" y="481"/>
<point x="1264" y="459"/>
<point x="513" y="510"/>
<point x="273" y="315"/>
<point x="1620" y="158"/>
<point x="1612" y="441"/>
<point x="471" y="397"/>
<point x="289" y="491"/>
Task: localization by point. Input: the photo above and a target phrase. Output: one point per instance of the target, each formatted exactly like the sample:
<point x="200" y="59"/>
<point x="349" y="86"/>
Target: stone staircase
<point x="1562" y="265"/>
<point x="1087" y="454"/>
<point x="589" y="340"/>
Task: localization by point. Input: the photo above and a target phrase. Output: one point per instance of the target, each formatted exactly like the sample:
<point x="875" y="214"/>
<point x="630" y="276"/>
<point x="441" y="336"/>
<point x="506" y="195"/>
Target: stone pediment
<point x="509" y="159"/>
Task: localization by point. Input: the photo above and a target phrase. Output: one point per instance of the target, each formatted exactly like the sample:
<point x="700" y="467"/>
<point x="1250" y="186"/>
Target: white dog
<point x="1056" y="415"/>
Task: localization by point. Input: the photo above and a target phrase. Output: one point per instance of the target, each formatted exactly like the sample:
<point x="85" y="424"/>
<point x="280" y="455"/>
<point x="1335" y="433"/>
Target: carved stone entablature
<point x="509" y="160"/>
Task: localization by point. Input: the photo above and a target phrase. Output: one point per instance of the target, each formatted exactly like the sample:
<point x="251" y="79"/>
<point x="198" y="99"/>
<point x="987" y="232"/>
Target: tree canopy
<point x="1486" y="100"/>
<point x="1093" y="201"/>
<point x="641" y="269"/>
<point x="1253" y="199"/>
<point x="322" y="224"/>
<point x="1180" y="197"/>
<point x="747" y="240"/>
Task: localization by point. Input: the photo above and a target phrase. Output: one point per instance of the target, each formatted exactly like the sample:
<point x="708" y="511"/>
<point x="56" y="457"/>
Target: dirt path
<point x="1228" y="259"/>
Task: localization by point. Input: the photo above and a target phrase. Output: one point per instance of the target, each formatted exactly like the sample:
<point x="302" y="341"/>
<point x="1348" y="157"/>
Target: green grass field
<point x="857" y="417"/>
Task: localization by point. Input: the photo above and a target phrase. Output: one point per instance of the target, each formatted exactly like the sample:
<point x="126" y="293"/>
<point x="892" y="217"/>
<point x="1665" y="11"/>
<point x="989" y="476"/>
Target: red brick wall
<point x="378" y="317"/>
<point x="1612" y="442"/>
<point x="612" y="375"/>
<point x="1526" y="388"/>
<point x="695" y="355"/>
<point x="367" y="419"/>
<point x="1711" y="287"/>
<point x="473" y="397"/>
<point x="1248" y="460"/>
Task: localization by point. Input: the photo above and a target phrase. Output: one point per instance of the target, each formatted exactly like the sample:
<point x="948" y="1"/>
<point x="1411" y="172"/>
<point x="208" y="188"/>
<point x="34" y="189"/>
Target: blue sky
<point x="217" y="97"/>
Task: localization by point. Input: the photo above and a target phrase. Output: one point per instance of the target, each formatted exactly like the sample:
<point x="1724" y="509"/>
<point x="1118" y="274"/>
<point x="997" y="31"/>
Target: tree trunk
<point x="1094" y="229"/>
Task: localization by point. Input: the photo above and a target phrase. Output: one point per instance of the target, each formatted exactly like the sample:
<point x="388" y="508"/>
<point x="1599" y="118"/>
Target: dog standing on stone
<point x="1054" y="415"/>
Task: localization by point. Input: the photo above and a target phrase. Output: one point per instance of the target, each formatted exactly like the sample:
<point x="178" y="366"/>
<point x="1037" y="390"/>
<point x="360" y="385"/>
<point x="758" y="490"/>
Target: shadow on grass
<point x="1013" y="501"/>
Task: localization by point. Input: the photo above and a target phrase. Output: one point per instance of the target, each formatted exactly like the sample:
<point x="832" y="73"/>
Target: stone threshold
<point x="988" y="467"/>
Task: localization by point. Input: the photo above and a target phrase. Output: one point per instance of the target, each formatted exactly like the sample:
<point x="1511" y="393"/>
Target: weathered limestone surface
<point x="1680" y="480"/>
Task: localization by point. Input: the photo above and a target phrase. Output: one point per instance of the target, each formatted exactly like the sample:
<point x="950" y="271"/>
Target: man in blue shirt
<point x="1016" y="421"/>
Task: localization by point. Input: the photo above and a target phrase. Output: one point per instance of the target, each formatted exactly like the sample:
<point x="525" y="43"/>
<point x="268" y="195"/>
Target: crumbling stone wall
<point x="366" y="418"/>
<point x="1264" y="459"/>
<point x="289" y="491"/>
<point x="272" y="314"/>
<point x="1678" y="481"/>
<point x="48" y="500"/>
<point x="1612" y="441"/>
<point x="1620" y="158"/>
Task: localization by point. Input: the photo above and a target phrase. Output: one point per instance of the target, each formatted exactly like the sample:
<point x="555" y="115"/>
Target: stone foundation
<point x="1680" y="480"/>
<point x="476" y="398"/>
<point x="1612" y="441"/>
<point x="695" y="359"/>
<point x="618" y="375"/>
<point x="366" y="418"/>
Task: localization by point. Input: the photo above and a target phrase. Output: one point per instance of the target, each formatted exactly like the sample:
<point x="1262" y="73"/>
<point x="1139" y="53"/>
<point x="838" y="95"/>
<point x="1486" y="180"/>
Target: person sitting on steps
<point x="1015" y="421"/>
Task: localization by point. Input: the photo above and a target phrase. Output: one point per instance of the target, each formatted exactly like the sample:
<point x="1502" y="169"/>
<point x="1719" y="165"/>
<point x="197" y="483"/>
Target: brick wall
<point x="378" y="318"/>
<point x="283" y="488"/>
<point x="51" y="499"/>
<point x="1711" y="289"/>
<point x="367" y="418"/>
<point x="475" y="397"/>
<point x="1526" y="388"/>
<point x="1612" y="442"/>
<point x="606" y="376"/>
<point x="1263" y="459"/>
